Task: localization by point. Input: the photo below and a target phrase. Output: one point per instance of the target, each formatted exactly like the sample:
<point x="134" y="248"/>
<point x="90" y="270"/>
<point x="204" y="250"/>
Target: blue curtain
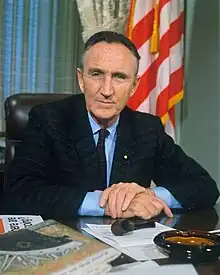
<point x="40" y="47"/>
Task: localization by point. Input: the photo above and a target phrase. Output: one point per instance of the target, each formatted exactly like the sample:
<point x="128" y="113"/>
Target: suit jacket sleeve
<point x="189" y="183"/>
<point x="30" y="188"/>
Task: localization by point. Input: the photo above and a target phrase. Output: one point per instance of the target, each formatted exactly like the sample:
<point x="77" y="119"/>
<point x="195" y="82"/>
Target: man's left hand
<point x="119" y="196"/>
<point x="146" y="207"/>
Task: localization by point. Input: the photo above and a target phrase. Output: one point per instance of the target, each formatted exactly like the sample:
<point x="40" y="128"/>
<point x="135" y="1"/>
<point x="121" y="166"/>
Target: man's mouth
<point x="105" y="102"/>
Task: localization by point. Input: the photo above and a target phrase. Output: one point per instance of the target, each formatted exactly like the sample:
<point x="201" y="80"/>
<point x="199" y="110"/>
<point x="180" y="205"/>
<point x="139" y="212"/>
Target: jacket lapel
<point x="80" y="138"/>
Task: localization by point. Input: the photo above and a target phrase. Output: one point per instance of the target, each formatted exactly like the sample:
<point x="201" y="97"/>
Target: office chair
<point x="17" y="108"/>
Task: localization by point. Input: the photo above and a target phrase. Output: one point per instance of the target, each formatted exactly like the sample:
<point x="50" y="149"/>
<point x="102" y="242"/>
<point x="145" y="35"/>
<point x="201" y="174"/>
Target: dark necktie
<point x="103" y="133"/>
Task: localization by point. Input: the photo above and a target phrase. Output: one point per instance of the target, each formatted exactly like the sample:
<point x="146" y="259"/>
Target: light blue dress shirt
<point x="90" y="204"/>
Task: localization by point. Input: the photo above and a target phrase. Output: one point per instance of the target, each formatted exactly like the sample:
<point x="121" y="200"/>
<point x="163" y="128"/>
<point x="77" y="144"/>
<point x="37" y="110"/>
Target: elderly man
<point x="89" y="154"/>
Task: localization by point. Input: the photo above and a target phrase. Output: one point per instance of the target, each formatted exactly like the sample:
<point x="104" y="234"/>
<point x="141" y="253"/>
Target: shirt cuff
<point x="166" y="196"/>
<point x="90" y="205"/>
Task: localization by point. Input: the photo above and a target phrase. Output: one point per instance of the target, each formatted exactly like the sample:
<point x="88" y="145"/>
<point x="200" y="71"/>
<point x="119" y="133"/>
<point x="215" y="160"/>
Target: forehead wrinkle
<point x="109" y="64"/>
<point x="109" y="55"/>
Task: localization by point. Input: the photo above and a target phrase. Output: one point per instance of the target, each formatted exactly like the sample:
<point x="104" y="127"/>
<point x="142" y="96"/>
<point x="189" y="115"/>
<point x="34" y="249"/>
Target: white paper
<point x="137" y="237"/>
<point x="15" y="222"/>
<point x="217" y="231"/>
<point x="151" y="267"/>
<point x="131" y="268"/>
<point x="144" y="252"/>
<point x="180" y="269"/>
<point x="137" y="244"/>
<point x="124" y="250"/>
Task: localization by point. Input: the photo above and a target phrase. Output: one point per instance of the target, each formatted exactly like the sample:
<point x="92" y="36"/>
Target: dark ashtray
<point x="190" y="246"/>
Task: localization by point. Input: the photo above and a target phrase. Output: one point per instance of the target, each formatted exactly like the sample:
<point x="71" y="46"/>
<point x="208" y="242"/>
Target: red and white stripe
<point x="161" y="74"/>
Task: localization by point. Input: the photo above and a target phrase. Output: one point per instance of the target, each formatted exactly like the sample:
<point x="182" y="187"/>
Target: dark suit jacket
<point x="57" y="164"/>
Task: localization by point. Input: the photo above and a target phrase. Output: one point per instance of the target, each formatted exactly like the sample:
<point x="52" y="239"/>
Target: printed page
<point x="151" y="267"/>
<point x="137" y="244"/>
<point x="137" y="237"/>
<point x="15" y="222"/>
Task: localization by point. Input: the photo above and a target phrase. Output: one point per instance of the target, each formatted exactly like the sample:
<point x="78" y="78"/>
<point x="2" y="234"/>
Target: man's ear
<point x="80" y="79"/>
<point x="135" y="85"/>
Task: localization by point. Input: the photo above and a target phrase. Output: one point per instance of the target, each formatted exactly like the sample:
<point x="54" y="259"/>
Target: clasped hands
<point x="126" y="200"/>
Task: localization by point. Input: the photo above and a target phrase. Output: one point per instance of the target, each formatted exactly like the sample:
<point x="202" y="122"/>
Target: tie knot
<point x="103" y="133"/>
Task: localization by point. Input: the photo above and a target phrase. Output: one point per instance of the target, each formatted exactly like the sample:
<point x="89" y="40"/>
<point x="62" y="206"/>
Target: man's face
<point x="108" y="80"/>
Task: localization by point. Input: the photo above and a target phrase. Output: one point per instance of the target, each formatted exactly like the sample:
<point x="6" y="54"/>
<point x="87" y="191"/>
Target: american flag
<point x="156" y="28"/>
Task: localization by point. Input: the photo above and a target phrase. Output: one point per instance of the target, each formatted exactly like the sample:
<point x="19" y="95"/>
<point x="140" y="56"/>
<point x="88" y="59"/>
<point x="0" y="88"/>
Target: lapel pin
<point x="125" y="157"/>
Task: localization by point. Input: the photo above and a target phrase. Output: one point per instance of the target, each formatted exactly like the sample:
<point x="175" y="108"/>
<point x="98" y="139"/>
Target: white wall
<point x="200" y="110"/>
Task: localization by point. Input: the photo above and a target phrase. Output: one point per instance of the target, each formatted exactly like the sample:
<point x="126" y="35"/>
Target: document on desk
<point x="150" y="267"/>
<point x="137" y="244"/>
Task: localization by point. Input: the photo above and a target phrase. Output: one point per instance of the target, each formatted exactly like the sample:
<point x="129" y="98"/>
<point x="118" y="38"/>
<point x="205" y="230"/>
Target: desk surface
<point x="202" y="220"/>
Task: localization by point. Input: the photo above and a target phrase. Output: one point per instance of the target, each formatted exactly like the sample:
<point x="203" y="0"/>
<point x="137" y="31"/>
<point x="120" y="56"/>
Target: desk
<point x="202" y="219"/>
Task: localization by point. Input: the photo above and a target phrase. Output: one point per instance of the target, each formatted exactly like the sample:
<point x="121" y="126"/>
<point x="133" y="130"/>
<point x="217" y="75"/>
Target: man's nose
<point x="107" y="86"/>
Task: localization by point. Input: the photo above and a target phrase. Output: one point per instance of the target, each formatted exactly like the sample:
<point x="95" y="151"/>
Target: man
<point x="67" y="166"/>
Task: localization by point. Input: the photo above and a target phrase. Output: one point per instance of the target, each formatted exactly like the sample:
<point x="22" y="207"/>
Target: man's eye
<point x="120" y="76"/>
<point x="95" y="74"/>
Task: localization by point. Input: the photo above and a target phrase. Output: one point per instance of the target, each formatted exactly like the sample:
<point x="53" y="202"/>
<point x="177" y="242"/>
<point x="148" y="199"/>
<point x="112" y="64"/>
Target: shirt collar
<point x="95" y="126"/>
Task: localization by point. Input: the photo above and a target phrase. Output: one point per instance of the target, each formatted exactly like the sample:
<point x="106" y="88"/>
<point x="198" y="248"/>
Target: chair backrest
<point x="17" y="109"/>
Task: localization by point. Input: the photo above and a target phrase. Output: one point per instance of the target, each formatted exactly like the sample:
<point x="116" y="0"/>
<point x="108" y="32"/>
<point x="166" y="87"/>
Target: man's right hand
<point x="145" y="206"/>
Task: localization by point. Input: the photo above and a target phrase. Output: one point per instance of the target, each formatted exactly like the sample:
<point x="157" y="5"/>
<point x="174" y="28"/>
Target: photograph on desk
<point x="53" y="248"/>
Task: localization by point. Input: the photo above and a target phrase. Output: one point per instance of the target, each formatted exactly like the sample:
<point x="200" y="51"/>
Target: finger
<point x="131" y="193"/>
<point x="166" y="209"/>
<point x="143" y="213"/>
<point x="159" y="205"/>
<point x="120" y="200"/>
<point x="150" y="192"/>
<point x="104" y="197"/>
<point x="116" y="198"/>
<point x="127" y="214"/>
<point x="129" y="196"/>
<point x="151" y="211"/>
<point x="112" y="202"/>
